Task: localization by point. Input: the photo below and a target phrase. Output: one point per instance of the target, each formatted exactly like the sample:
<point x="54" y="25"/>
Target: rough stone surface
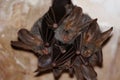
<point x="16" y="14"/>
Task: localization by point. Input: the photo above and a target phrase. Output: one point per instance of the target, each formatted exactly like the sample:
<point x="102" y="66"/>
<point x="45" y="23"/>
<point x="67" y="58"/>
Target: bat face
<point x="92" y="47"/>
<point x="88" y="49"/>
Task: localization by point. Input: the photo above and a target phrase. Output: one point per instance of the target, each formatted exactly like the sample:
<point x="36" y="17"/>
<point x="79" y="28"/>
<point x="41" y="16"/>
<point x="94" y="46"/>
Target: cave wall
<point x="16" y="14"/>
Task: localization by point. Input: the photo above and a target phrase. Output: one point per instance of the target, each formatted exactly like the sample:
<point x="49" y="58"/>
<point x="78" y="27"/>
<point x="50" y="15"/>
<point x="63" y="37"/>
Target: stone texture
<point x="115" y="66"/>
<point x="16" y="14"/>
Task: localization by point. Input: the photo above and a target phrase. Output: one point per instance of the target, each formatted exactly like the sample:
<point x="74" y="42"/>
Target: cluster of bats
<point x="65" y="39"/>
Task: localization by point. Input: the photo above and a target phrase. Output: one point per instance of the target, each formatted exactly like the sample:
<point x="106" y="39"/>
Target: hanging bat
<point x="72" y="26"/>
<point x="30" y="42"/>
<point x="46" y="25"/>
<point x="93" y="39"/>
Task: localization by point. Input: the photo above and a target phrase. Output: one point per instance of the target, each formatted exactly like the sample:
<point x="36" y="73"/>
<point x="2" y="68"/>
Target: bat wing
<point x="64" y="57"/>
<point x="100" y="58"/>
<point x="77" y="69"/>
<point x="88" y="72"/>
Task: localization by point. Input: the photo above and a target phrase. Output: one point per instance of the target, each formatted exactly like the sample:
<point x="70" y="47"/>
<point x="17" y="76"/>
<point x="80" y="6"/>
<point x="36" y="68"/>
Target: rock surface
<point x="16" y="14"/>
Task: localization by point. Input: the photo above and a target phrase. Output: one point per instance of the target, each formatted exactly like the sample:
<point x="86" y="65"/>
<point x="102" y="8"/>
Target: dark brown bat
<point x="72" y="26"/>
<point x="28" y="41"/>
<point x="92" y="42"/>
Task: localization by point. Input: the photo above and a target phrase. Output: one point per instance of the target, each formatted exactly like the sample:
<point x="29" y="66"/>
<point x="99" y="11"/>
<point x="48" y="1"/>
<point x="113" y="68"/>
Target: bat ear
<point x="91" y="31"/>
<point x="104" y="36"/>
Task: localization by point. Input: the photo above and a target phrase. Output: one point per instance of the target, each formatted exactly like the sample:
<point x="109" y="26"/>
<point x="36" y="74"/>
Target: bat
<point x="72" y="26"/>
<point x="28" y="41"/>
<point x="93" y="40"/>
